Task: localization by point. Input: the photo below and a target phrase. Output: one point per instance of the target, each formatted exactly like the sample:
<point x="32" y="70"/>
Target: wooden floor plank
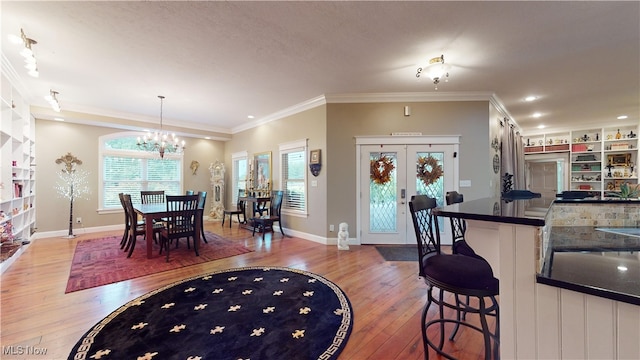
<point x="387" y="297"/>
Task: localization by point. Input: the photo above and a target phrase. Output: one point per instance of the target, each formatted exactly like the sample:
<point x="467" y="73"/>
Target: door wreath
<point x="380" y="170"/>
<point x="429" y="171"/>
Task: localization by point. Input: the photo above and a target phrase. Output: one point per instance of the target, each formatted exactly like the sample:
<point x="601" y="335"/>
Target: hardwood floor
<point x="387" y="297"/>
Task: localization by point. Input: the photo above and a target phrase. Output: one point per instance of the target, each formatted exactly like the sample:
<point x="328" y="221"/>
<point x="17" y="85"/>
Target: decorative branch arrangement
<point x="72" y="184"/>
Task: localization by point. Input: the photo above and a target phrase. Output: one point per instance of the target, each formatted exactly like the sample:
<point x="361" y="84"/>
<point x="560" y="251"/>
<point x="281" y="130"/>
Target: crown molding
<point x="10" y="73"/>
<point x="292" y="110"/>
<point x="408" y="97"/>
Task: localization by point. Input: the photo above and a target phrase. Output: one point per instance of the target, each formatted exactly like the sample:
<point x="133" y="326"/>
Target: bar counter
<point x="562" y="295"/>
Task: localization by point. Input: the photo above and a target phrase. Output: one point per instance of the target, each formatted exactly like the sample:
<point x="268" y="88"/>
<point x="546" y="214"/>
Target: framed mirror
<point x="262" y="174"/>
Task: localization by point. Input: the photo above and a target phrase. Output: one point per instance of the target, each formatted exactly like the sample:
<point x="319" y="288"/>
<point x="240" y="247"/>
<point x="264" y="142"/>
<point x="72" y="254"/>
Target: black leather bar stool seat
<point x="454" y="276"/>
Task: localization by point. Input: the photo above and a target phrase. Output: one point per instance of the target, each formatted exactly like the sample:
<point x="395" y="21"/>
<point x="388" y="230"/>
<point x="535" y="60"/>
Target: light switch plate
<point x="465" y="183"/>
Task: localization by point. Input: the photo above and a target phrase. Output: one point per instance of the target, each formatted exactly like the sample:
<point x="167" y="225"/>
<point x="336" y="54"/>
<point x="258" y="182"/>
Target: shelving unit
<point x="17" y="171"/>
<point x="590" y="152"/>
<point x="553" y="142"/>
<point x="620" y="149"/>
<point x="586" y="160"/>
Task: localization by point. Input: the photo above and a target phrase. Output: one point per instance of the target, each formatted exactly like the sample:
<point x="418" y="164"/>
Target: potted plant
<point x="626" y="192"/>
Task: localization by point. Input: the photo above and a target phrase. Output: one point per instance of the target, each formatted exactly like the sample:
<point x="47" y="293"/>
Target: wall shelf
<point x="17" y="176"/>
<point x="590" y="152"/>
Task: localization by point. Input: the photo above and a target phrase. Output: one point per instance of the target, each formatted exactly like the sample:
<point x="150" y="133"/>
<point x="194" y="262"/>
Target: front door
<point x="389" y="176"/>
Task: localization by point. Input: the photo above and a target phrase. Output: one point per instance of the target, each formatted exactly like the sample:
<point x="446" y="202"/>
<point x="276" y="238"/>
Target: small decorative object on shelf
<point x="507" y="183"/>
<point x="618" y="135"/>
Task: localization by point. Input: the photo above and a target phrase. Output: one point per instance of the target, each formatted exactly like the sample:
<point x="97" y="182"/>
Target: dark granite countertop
<point x="595" y="261"/>
<point x="511" y="211"/>
<point x="582" y="259"/>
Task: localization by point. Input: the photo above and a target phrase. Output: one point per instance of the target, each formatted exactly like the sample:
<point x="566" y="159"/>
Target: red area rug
<point x="98" y="262"/>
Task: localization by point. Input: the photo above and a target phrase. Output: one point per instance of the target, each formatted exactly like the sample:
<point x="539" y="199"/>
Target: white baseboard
<point x="81" y="231"/>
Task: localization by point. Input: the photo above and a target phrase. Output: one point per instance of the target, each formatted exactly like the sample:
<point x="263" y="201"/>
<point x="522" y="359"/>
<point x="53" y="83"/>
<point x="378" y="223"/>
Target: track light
<point x="52" y="99"/>
<point x="27" y="53"/>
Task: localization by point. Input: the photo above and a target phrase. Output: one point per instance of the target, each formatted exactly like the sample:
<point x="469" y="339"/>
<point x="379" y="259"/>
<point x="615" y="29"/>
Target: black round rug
<point x="244" y="313"/>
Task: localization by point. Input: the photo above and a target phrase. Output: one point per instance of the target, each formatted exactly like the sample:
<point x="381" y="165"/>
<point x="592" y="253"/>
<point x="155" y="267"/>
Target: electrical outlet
<point x="79" y="220"/>
<point x="331" y="228"/>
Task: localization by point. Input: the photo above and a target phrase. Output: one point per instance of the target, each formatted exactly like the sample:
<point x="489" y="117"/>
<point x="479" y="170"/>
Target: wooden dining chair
<point x="189" y="192"/>
<point x="152" y="196"/>
<point x="261" y="223"/>
<point x="202" y="199"/>
<point x="240" y="206"/>
<point x="180" y="222"/>
<point x="136" y="228"/>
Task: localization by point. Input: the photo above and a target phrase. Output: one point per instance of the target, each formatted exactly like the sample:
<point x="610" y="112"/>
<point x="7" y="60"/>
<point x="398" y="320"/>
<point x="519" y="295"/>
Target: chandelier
<point x="435" y="70"/>
<point x="161" y="142"/>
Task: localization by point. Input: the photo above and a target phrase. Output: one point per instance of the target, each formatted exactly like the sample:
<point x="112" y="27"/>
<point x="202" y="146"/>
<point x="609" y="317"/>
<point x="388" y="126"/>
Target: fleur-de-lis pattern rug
<point x="243" y="313"/>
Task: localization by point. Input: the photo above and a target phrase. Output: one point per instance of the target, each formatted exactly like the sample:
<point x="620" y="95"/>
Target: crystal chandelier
<point x="161" y="142"/>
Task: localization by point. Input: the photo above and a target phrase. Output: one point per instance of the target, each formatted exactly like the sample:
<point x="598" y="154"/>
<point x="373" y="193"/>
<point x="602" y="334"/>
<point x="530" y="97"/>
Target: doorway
<point x="545" y="174"/>
<point x="388" y="177"/>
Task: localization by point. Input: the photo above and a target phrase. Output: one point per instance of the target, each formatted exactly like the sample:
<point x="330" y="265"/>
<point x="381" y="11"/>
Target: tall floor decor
<point x="242" y="313"/>
<point x="72" y="184"/>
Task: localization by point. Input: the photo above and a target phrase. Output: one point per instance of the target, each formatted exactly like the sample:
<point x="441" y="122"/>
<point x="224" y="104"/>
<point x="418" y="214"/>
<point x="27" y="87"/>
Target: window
<point x="126" y="169"/>
<point x="293" y="174"/>
<point x="239" y="175"/>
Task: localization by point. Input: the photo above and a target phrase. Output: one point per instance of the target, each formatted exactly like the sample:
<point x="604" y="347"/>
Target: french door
<point x="389" y="175"/>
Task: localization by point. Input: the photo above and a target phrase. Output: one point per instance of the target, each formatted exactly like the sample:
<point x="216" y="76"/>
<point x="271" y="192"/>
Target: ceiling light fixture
<point x="52" y="99"/>
<point x="435" y="70"/>
<point x="622" y="117"/>
<point x="530" y="98"/>
<point x="161" y="142"/>
<point x="27" y="53"/>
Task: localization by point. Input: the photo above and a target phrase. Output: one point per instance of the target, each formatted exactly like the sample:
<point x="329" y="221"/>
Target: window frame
<point x="235" y="178"/>
<point x="291" y="147"/>
<point x="136" y="154"/>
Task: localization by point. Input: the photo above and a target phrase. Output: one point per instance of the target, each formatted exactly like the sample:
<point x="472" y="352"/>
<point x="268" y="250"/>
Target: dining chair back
<point x="152" y="196"/>
<point x="182" y="211"/>
<point x="239" y="209"/>
<point x="264" y="222"/>
<point x="127" y="225"/>
<point x="181" y="202"/>
<point x="136" y="228"/>
<point x="189" y="192"/>
<point x="202" y="199"/>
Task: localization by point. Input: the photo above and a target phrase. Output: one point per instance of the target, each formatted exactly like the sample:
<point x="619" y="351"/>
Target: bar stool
<point x="458" y="275"/>
<point x="458" y="227"/>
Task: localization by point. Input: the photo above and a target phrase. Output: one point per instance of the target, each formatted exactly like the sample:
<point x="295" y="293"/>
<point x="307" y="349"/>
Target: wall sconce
<point x="407" y="111"/>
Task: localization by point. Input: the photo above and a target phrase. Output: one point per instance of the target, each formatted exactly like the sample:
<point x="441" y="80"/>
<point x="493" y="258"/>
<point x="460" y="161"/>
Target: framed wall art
<point x="314" y="157"/>
<point x="619" y="159"/>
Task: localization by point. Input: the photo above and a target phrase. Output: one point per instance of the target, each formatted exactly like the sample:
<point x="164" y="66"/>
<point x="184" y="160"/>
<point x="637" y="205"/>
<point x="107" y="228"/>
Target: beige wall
<point x="55" y="139"/>
<point x="330" y="128"/>
<point x="310" y="125"/>
<point x="470" y="120"/>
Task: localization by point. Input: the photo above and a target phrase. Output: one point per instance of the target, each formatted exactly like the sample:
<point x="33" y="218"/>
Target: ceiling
<point x="218" y="62"/>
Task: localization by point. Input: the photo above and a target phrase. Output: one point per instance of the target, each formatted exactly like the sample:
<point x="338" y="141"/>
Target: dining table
<point x="252" y="205"/>
<point x="155" y="211"/>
